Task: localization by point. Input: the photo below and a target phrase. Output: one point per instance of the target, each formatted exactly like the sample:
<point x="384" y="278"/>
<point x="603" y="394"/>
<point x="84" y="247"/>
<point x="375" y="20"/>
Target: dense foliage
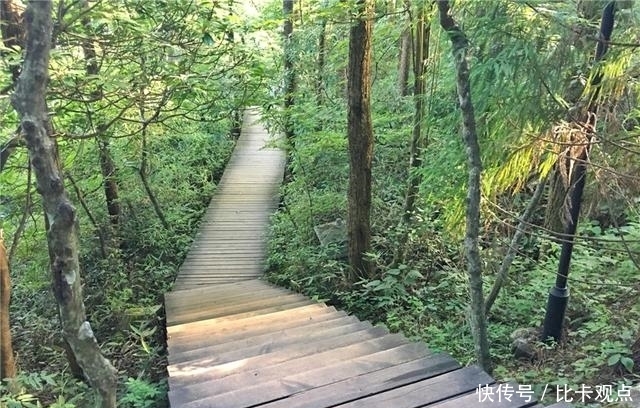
<point x="145" y="99"/>
<point x="529" y="67"/>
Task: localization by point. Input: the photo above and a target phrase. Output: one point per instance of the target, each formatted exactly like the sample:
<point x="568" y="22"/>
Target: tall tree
<point x="62" y="233"/>
<point x="459" y="45"/>
<point x="320" y="65"/>
<point x="107" y="165"/>
<point x="360" y="135"/>
<point x="421" y="53"/>
<point x="289" y="71"/>
<point x="404" y="62"/>
<point x="7" y="363"/>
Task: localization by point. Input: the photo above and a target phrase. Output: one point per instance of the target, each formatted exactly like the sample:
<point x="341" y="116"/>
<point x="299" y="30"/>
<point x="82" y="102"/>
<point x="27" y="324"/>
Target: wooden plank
<point x="220" y="259"/>
<point x="203" y="358"/>
<point x="289" y="333"/>
<point x="307" y="374"/>
<point x="255" y="395"/>
<point x="257" y="325"/>
<point x="427" y="391"/>
<point x="405" y="371"/>
<point x="228" y="249"/>
<point x="237" y="256"/>
<point x="236" y="322"/>
<point x="475" y="399"/>
<point x="194" y="284"/>
<point x="219" y="268"/>
<point x="276" y="339"/>
<point x="222" y="295"/>
<point x="368" y="341"/>
<point x="230" y="290"/>
<point x="239" y="309"/>
<point x="206" y="275"/>
<point x="238" y="313"/>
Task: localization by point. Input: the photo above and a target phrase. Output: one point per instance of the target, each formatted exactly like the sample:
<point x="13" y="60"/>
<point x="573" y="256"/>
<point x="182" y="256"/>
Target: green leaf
<point x="414" y="275"/>
<point x="613" y="359"/>
<point x="627" y="363"/>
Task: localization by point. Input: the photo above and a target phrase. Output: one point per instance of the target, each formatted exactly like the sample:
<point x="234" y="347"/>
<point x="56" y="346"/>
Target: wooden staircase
<point x="237" y="341"/>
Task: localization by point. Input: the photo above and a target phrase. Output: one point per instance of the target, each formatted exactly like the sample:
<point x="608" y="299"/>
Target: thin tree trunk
<point x="322" y="49"/>
<point x="554" y="219"/>
<point x="503" y="272"/>
<point x="417" y="142"/>
<point x="110" y="186"/>
<point x="144" y="171"/>
<point x="236" y="112"/>
<point x="459" y="44"/>
<point x="360" y="135"/>
<point x="62" y="234"/>
<point x="92" y="219"/>
<point x="107" y="166"/>
<point x="289" y="73"/>
<point x="7" y="363"/>
<point x="405" y="54"/>
<point x="421" y="52"/>
<point x="23" y="219"/>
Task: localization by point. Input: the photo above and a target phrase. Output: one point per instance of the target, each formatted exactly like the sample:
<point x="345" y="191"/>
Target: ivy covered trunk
<point x="7" y="363"/>
<point x="360" y="135"/>
<point x="62" y="234"/>
<point x="459" y="44"/>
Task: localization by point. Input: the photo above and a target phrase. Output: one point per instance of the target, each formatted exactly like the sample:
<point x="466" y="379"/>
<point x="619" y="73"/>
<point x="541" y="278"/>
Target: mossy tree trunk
<point x="459" y="44"/>
<point x="360" y="135"/>
<point x="62" y="234"/>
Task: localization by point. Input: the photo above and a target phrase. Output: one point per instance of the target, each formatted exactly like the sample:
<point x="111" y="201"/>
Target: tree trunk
<point x="289" y="73"/>
<point x="92" y="219"/>
<point x="421" y="52"/>
<point x="459" y="44"/>
<point x="111" y="193"/>
<point x="62" y="234"/>
<point x="503" y="272"/>
<point x="554" y="218"/>
<point x="144" y="172"/>
<point x="417" y="142"/>
<point x="26" y="213"/>
<point x="322" y="49"/>
<point x="7" y="363"/>
<point x="107" y="166"/>
<point x="405" y="54"/>
<point x="360" y="135"/>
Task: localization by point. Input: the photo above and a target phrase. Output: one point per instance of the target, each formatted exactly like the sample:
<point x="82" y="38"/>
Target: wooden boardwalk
<point x="237" y="341"/>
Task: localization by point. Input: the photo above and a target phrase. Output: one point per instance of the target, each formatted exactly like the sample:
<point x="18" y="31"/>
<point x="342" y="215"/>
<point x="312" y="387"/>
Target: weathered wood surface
<point x="237" y="341"/>
<point x="230" y="245"/>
